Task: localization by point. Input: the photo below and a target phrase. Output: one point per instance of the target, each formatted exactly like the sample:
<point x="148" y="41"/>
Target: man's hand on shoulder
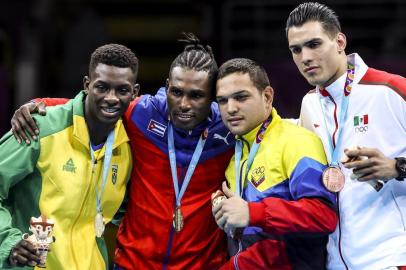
<point x="23" y="123"/>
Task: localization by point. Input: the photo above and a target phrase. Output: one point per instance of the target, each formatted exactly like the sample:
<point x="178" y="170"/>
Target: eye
<point x="176" y="92"/>
<point x="101" y="87"/>
<point x="196" y="96"/>
<point x="240" y="98"/>
<point x="38" y="227"/>
<point x="314" y="44"/>
<point x="222" y="101"/>
<point x="123" y="90"/>
<point x="295" y="50"/>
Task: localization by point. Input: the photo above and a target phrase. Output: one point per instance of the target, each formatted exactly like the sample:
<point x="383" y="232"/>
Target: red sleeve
<point x="52" y="101"/>
<point x="279" y="216"/>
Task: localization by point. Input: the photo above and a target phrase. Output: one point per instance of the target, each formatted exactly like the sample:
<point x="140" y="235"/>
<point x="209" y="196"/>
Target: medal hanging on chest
<point x="178" y="219"/>
<point x="333" y="179"/>
<point x="99" y="224"/>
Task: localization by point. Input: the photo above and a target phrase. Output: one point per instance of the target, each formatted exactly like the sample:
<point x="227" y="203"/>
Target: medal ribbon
<point x="335" y="151"/>
<point x="192" y="165"/>
<point x="253" y="152"/>
<point x="106" y="165"/>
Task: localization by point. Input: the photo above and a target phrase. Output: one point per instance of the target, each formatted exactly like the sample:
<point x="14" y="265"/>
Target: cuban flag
<point x="156" y="128"/>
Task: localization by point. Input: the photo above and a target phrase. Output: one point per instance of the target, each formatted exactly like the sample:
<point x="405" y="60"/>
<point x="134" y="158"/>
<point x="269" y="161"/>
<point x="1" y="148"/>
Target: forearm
<point x="279" y="216"/>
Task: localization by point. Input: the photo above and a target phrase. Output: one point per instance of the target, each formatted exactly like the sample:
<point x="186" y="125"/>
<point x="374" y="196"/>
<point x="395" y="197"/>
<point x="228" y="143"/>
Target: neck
<point x="98" y="132"/>
<point x="341" y="69"/>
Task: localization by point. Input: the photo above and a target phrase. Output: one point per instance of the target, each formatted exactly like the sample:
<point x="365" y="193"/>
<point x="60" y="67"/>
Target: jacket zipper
<point x="81" y="208"/>
<point x="338" y="194"/>
<point x="235" y="260"/>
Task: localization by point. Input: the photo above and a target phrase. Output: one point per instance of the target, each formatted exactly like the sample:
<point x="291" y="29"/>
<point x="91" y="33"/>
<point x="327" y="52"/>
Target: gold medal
<point x="177" y="219"/>
<point x="333" y="179"/>
<point x="99" y="224"/>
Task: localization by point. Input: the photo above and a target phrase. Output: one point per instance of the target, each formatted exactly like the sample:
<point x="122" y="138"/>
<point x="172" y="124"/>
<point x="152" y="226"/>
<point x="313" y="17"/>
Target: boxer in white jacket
<point x="354" y="105"/>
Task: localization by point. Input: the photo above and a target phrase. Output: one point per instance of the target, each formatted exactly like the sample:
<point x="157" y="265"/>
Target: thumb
<point x="227" y="191"/>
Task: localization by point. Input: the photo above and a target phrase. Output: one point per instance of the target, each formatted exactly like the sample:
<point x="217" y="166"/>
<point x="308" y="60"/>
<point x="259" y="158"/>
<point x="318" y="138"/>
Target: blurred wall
<point x="45" y="45"/>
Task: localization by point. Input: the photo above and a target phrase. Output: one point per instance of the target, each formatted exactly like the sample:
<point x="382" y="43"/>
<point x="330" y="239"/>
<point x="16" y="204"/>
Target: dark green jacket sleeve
<point x="16" y="162"/>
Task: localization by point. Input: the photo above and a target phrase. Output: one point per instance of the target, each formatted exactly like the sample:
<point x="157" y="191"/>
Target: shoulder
<point x="394" y="82"/>
<point x="57" y="118"/>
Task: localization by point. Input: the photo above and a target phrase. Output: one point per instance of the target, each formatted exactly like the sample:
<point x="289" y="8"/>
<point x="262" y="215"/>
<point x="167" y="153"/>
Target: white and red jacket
<point x="371" y="233"/>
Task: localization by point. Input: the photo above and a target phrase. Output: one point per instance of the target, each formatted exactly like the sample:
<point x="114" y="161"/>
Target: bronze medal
<point x="177" y="219"/>
<point x="333" y="179"/>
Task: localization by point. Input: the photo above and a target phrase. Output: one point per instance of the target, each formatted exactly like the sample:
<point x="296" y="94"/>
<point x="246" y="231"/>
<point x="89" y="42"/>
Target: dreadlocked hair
<point x="197" y="57"/>
<point x="114" y="55"/>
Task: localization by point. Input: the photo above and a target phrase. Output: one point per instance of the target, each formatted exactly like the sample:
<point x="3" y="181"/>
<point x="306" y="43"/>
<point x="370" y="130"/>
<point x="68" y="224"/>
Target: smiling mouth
<point x="184" y="117"/>
<point x="110" y="111"/>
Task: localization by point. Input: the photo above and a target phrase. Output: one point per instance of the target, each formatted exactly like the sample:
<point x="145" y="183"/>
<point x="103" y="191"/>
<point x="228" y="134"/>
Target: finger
<point x="226" y="190"/>
<point x="216" y="208"/>
<point x="21" y="132"/>
<point x="220" y="222"/>
<point x="359" y="164"/>
<point x="21" y="259"/>
<point x="368" y="152"/>
<point x="364" y="171"/>
<point x="28" y="246"/>
<point x="31" y="125"/>
<point x="25" y="121"/>
<point x="15" y="134"/>
<point x="371" y="176"/>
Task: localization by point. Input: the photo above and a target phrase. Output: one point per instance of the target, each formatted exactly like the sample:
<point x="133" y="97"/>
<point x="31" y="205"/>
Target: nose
<point x="184" y="103"/>
<point x="111" y="96"/>
<point x="307" y="55"/>
<point x="231" y="106"/>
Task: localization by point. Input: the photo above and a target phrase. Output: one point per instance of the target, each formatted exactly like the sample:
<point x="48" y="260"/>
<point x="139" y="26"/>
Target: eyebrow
<point x="233" y="94"/>
<point x="306" y="43"/>
<point x="188" y="90"/>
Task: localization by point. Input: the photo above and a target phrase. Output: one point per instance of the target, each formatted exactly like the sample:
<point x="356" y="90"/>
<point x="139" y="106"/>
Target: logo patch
<point x="69" y="166"/>
<point x="258" y="176"/>
<point x="361" y="123"/>
<point x="114" y="171"/>
<point x="156" y="128"/>
<point x="218" y="136"/>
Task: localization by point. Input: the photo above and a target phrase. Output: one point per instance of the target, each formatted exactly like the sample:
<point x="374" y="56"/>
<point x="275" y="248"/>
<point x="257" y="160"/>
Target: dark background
<point x="45" y="45"/>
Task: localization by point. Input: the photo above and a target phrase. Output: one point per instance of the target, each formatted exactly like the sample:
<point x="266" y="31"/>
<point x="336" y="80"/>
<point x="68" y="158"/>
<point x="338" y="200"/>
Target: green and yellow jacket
<point x="53" y="176"/>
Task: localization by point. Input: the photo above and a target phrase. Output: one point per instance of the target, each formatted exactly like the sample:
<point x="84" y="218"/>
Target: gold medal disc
<point x="177" y="219"/>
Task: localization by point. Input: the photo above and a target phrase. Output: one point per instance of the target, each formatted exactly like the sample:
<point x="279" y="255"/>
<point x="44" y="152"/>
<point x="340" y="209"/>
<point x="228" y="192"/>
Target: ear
<point x="341" y="42"/>
<point x="86" y="82"/>
<point x="167" y="84"/>
<point x="136" y="91"/>
<point x="268" y="95"/>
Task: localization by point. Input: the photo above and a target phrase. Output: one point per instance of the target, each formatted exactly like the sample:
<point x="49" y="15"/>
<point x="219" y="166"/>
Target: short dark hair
<point x="114" y="55"/>
<point x="197" y="57"/>
<point x="313" y="11"/>
<point x="256" y="72"/>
